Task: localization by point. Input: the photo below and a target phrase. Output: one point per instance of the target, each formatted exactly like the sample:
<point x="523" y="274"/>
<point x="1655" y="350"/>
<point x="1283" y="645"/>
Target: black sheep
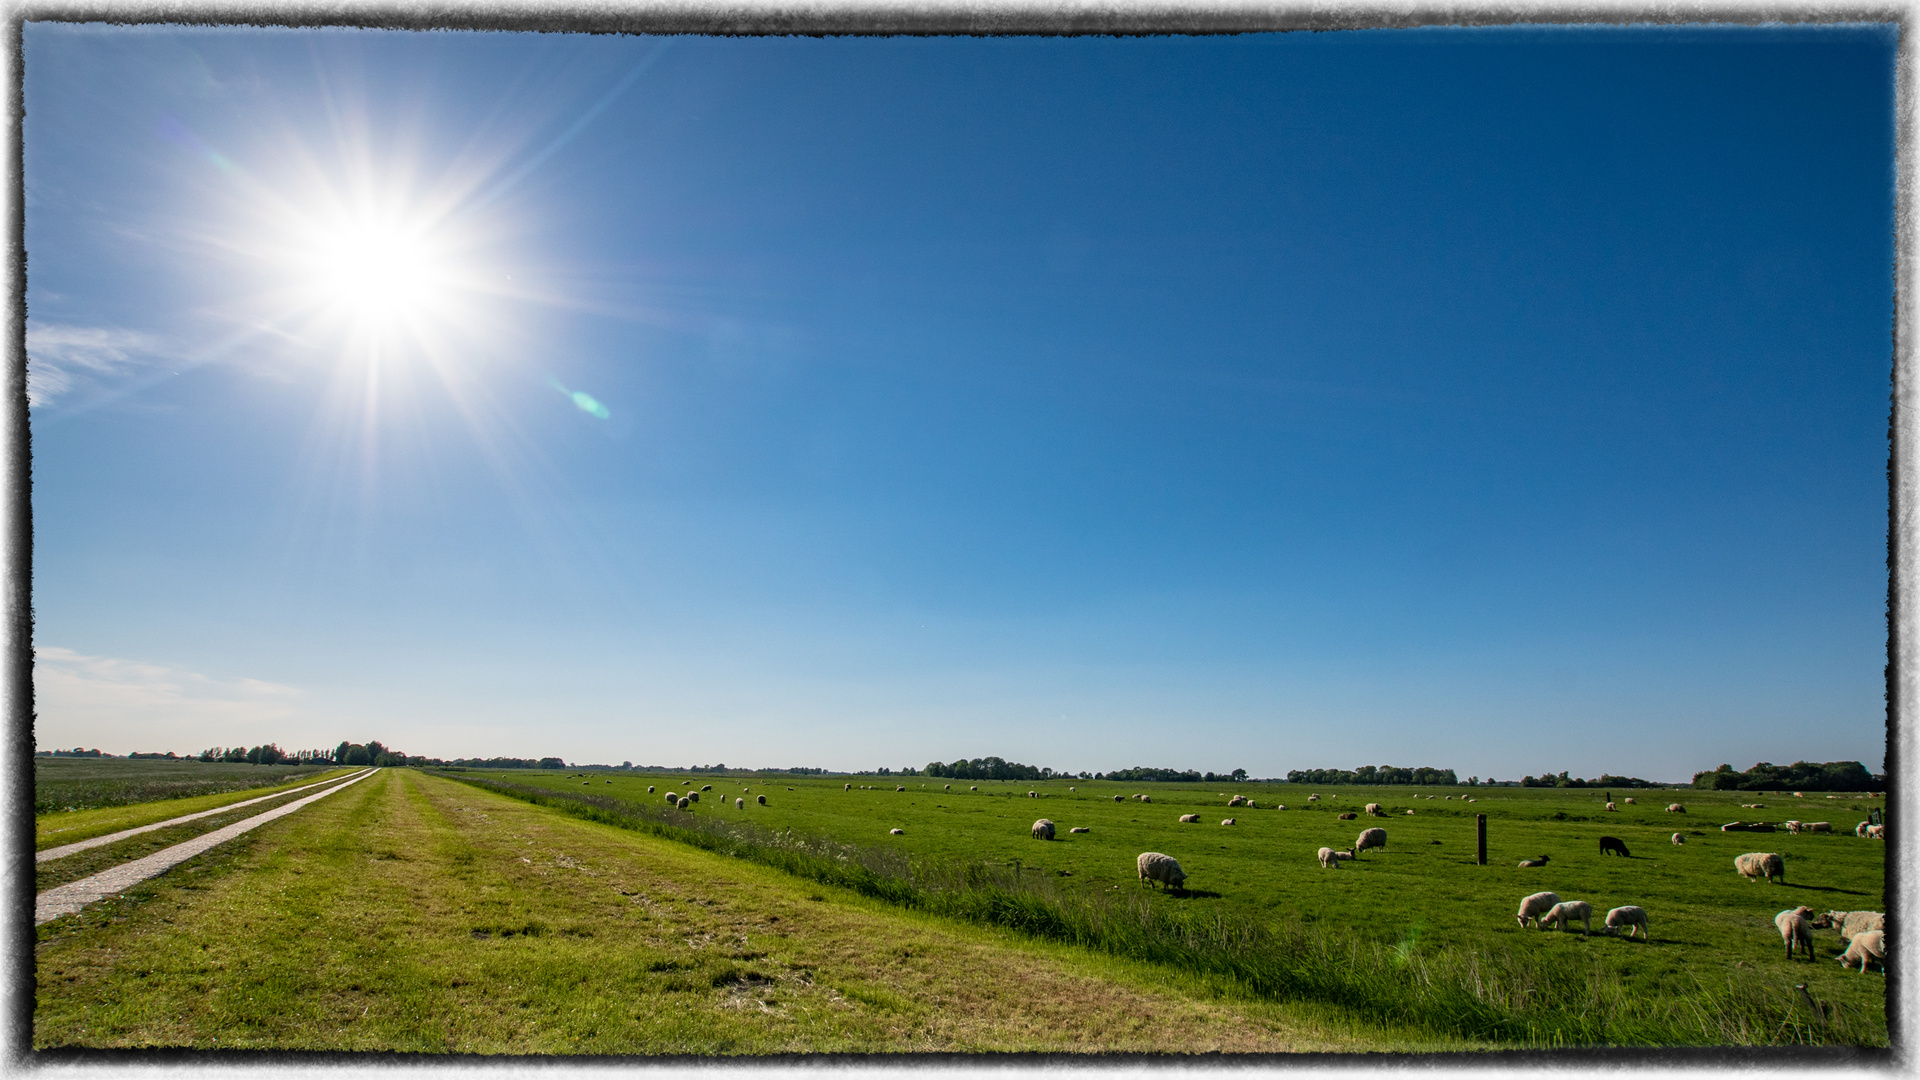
<point x="1613" y="844"/>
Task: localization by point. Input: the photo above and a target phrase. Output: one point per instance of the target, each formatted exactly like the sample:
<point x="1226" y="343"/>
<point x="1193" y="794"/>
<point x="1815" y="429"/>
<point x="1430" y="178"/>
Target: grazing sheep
<point x="1794" y="827"/>
<point x="1079" y="828"/>
<point x="1370" y="838"/>
<point x="1409" y="813"/>
<point x="1033" y="794"/>
<point x="1043" y="829"/>
<point x="673" y="797"/>
<point x="1614" y="845"/>
<point x="1373" y="809"/>
<point x="1251" y="804"/>
<point x="649" y="789"/>
<point x="739" y="804"/>
<point x="1119" y="798"/>
<point x="946" y="787"/>
<point x="706" y="787"/>
<point x="1282" y="806"/>
<point x="899" y="788"/>
<point x="1237" y="800"/>
<point x="1535" y="906"/>
<point x="1631" y="916"/>
<point x="1861" y="829"/>
<point x="1676" y="808"/>
<point x="1331" y="858"/>
<point x="1146" y="798"/>
<point x="685" y="801"/>
<point x="1227" y="821"/>
<point x="1562" y="913"/>
<point x="1850" y="923"/>
<point x="1817" y="826"/>
<point x="761" y="799"/>
<point x="1189" y="819"/>
<point x="1868" y="947"/>
<point x="1162" y="869"/>
<point x="1678" y="840"/>
<point x="1798" y="795"/>
<point x="896" y="832"/>
<point x="1876" y="832"/>
<point x="1449" y="798"/>
<point x="1757" y="864"/>
<point x="1611" y="807"/>
<point x="1629" y="802"/>
<point x="1541" y="861"/>
<point x="973" y="787"/>
<point x="694" y="796"/>
<point x="1348" y="816"/>
<point x="1313" y="798"/>
<point x="849" y="787"/>
<point x="1796" y="928"/>
<point x="1073" y="789"/>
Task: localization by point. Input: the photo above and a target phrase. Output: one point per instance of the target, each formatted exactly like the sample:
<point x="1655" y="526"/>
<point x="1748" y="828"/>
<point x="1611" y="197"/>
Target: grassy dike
<point x="411" y="913"/>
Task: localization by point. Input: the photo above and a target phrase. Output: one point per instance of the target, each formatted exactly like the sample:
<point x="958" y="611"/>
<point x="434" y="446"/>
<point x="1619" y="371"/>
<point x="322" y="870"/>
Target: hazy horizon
<point x="1484" y="399"/>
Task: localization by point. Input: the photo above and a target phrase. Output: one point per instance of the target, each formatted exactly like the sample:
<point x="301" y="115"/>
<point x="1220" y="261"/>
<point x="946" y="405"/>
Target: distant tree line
<point x="264" y="754"/>
<point x="1374" y="775"/>
<point x="1799" y="776"/>
<point x="1145" y="773"/>
<point x="986" y="768"/>
<point x="75" y="752"/>
<point x="1606" y="780"/>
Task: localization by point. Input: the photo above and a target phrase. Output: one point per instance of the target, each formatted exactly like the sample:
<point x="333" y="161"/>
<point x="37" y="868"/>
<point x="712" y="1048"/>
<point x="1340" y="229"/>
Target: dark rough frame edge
<point x="828" y="19"/>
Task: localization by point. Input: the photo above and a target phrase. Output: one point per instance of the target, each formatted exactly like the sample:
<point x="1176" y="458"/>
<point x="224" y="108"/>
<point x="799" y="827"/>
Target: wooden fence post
<point x="1480" y="822"/>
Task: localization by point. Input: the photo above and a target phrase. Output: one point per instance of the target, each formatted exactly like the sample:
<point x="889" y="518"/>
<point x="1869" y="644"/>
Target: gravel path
<point x="81" y="845"/>
<point x="71" y="897"/>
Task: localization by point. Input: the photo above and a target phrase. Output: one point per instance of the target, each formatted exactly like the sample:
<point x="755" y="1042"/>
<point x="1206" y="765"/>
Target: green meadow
<point x="1714" y="970"/>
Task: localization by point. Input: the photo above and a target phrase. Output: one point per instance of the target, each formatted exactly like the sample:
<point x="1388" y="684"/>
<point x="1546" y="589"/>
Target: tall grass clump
<point x="1495" y="995"/>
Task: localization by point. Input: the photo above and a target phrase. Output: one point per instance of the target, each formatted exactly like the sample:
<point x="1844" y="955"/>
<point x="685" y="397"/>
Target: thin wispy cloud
<point x="62" y="358"/>
<point x="113" y="702"/>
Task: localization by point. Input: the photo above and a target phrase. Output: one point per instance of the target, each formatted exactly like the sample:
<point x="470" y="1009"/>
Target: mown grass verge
<point x="1495" y="994"/>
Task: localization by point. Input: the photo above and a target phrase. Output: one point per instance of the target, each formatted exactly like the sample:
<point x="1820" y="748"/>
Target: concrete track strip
<point x="98" y="841"/>
<point x="74" y="895"/>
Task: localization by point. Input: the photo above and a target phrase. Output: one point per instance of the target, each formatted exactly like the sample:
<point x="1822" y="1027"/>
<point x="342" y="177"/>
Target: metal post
<point x="1480" y="823"/>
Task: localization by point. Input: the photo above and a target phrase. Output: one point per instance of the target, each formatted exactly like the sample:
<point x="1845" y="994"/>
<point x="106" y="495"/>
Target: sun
<point x="379" y="272"/>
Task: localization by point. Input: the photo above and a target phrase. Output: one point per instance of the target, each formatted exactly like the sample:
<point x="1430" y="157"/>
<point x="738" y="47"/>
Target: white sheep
<point x="896" y="832"/>
<point x="685" y="801"/>
<point x="1079" y="828"/>
<point x="649" y="789"/>
<point x="1817" y="826"/>
<point x="1631" y="917"/>
<point x="1629" y="801"/>
<point x="1876" y="832"/>
<point x="1373" y="809"/>
<point x="1043" y="829"/>
<point x="1409" y="813"/>
<point x="849" y="787"/>
<point x="1867" y="947"/>
<point x="1282" y="806"/>
<point x="1119" y="798"/>
<point x="1163" y="869"/>
<point x="1678" y="840"/>
<point x="1226" y="821"/>
<point x="1850" y="923"/>
<point x="973" y="787"/>
<point x="706" y="787"/>
<point x="1676" y="808"/>
<point x="1072" y="789"/>
<point x="1861" y="829"/>
<point x="1237" y="800"/>
<point x="673" y="796"/>
<point x="1189" y="819"/>
<point x="1562" y="913"/>
<point x="1795" y="827"/>
<point x="1535" y="906"/>
<point x="739" y="804"/>
<point x="1370" y="838"/>
<point x="1758" y="864"/>
<point x="1610" y="806"/>
<point x="1030" y="794"/>
<point x="1332" y="858"/>
<point x="1146" y="798"/>
<point x="1796" y="928"/>
<point x="761" y="799"/>
<point x="1313" y="798"/>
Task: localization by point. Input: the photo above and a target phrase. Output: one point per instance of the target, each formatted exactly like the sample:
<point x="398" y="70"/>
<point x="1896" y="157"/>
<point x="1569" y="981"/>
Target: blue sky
<point x="1504" y="400"/>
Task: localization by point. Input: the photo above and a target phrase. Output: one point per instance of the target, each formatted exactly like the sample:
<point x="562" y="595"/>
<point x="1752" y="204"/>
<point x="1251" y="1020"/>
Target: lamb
<point x="1676" y="808"/>
<point x="1373" y="809"/>
<point x="1079" y="828"/>
<point x="1043" y="829"/>
<point x="1818" y="826"/>
<point x="1615" y="845"/>
<point x="1541" y="861"/>
<point x="1189" y="819"/>
<point x="1870" y="946"/>
<point x="1678" y="840"/>
<point x="1876" y="832"/>
<point x="649" y="789"/>
<point x="1796" y="928"/>
<point x="1850" y="923"/>
<point x="1370" y="838"/>
<point x="1162" y="869"/>
<point x="1611" y="807"/>
<point x="1237" y="800"/>
<point x="1560" y="914"/>
<point x="1119" y="798"/>
<point x="1282" y="806"/>
<point x="1535" y="906"/>
<point x="946" y="787"/>
<point x="1030" y="794"/>
<point x="761" y="799"/>
<point x="1348" y="816"/>
<point x="1251" y="804"/>
<point x="1794" y="827"/>
<point x="1757" y="864"/>
<point x="1146" y="798"/>
<point x="849" y="787"/>
<point x="1313" y="798"/>
<point x="1409" y="813"/>
<point x="1629" y="802"/>
<point x="1227" y="821"/>
<point x="1331" y="859"/>
<point x="739" y="804"/>
<point x="1861" y="829"/>
<point x="1631" y="917"/>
